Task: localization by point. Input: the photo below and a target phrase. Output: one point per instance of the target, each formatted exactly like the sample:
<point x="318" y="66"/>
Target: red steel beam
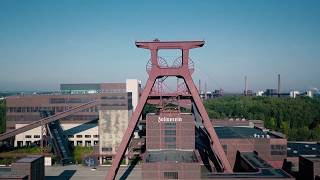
<point x="169" y="44"/>
<point x="215" y="143"/>
<point x="131" y="126"/>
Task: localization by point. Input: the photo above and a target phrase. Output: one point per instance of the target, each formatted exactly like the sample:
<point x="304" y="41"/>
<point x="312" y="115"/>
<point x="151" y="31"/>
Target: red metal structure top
<point x="158" y="71"/>
<point x="156" y="44"/>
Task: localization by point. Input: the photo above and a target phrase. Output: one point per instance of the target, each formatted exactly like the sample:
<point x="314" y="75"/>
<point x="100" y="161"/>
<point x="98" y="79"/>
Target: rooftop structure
<point x="27" y="168"/>
<point x="242" y="132"/>
<point x="296" y="149"/>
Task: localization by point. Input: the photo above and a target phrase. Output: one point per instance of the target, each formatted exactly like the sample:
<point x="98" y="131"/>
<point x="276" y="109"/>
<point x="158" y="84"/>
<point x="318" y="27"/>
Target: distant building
<point x="309" y="93"/>
<point x="294" y="94"/>
<point x="248" y="92"/>
<point x="259" y="93"/>
<point x="271" y="92"/>
<point x="213" y="94"/>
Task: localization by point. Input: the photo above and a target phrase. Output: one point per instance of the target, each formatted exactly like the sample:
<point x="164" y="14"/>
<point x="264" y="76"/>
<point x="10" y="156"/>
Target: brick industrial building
<point x="83" y="128"/>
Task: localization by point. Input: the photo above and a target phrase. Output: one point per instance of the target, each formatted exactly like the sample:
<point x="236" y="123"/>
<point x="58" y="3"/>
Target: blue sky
<point x="45" y="43"/>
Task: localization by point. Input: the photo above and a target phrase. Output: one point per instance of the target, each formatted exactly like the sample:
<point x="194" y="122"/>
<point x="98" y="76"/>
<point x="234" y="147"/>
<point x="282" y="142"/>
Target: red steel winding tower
<point x="158" y="70"/>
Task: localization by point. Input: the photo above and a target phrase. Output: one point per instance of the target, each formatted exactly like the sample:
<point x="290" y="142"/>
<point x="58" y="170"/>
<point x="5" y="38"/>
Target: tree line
<point x="298" y="118"/>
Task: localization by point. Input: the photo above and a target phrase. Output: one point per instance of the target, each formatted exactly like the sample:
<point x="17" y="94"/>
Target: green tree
<point x="298" y="118"/>
<point x="80" y="152"/>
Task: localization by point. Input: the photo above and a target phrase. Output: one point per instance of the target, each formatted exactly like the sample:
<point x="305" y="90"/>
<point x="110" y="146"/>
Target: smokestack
<point x="205" y="90"/>
<point x="199" y="86"/>
<point x="278" y="85"/>
<point x="245" y="86"/>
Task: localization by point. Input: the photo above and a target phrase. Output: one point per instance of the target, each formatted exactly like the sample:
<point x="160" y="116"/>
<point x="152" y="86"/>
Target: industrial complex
<point x="177" y="140"/>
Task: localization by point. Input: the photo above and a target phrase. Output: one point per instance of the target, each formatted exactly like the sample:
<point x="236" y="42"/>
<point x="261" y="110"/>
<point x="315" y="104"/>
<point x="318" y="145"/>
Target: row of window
<point x="29" y="136"/>
<point x="170" y="132"/>
<point x="86" y="143"/>
<point x="279" y="147"/>
<point x="69" y="136"/>
<point x="170" y="175"/>
<point x="81" y="117"/>
<point x="80" y="136"/>
<point x="55" y="109"/>
<point x="113" y="104"/>
<point x="106" y="149"/>
<point x="69" y="100"/>
<point x="278" y="152"/>
<point x="275" y="149"/>
<point x="170" y="125"/>
<point x="113" y="97"/>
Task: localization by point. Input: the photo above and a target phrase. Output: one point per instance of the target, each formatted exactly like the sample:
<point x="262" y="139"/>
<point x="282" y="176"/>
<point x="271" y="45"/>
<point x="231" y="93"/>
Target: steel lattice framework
<point x="158" y="70"/>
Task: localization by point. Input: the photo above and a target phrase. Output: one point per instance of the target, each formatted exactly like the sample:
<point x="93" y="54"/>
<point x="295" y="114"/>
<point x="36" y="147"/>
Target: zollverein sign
<point x="169" y="119"/>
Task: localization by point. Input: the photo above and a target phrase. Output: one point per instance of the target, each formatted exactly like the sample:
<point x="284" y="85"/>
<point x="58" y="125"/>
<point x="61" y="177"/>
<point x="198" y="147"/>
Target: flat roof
<point x="171" y="155"/>
<point x="295" y="149"/>
<point x="29" y="159"/>
<point x="265" y="170"/>
<point x="226" y="132"/>
<point x="255" y="160"/>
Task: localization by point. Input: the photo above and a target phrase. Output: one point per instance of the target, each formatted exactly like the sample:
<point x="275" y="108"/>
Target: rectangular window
<point x="28" y="136"/>
<point x="70" y="136"/>
<point x="87" y="136"/>
<point x="79" y="136"/>
<point x="170" y="175"/>
<point x="79" y="143"/>
<point x="36" y="136"/>
<point x="171" y="146"/>
<point x="87" y="143"/>
<point x="96" y="136"/>
<point x="170" y="125"/>
<point x="170" y="132"/>
<point x="278" y="149"/>
<point x="170" y="139"/>
<point x="106" y="149"/>
<point x="278" y="152"/>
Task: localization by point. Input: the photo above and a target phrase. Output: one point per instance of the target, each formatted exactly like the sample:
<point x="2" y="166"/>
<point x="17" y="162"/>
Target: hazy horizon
<point x="46" y="43"/>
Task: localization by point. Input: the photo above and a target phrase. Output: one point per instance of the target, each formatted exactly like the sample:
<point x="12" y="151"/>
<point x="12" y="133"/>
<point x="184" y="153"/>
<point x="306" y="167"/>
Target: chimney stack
<point x="205" y="90"/>
<point x="245" y="86"/>
<point x="199" y="86"/>
<point x="278" y="85"/>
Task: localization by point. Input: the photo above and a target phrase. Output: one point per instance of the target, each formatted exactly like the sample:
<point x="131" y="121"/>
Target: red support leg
<point x="216" y="146"/>
<point x="132" y="124"/>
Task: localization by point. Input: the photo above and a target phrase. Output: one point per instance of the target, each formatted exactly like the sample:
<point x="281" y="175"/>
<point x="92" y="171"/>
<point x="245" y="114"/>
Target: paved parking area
<point x="79" y="172"/>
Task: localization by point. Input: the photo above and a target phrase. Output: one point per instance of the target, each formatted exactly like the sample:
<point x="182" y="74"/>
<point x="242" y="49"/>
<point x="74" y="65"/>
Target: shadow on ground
<point x="65" y="175"/>
<point x="130" y="168"/>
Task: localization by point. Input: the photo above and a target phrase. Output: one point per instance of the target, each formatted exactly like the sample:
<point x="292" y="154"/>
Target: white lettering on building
<point x="169" y="119"/>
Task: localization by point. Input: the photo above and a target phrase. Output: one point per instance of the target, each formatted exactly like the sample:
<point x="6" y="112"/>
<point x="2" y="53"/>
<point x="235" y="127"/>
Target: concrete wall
<point x="133" y="86"/>
<point x="112" y="126"/>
